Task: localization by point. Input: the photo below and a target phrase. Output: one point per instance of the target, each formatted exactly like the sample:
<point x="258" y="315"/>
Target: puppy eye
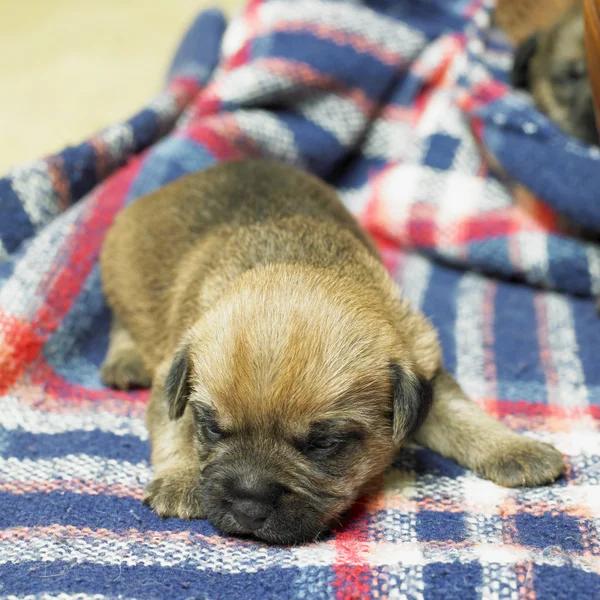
<point x="211" y="431"/>
<point x="323" y="447"/>
<point x="207" y="424"/>
<point x="324" y="444"/>
<point x="576" y="71"/>
<point x="572" y="74"/>
<point x="329" y="438"/>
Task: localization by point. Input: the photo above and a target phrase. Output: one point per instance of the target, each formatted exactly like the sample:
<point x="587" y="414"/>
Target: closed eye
<point x="323" y="447"/>
<point x="206" y="422"/>
<point x="329" y="438"/>
<point x="570" y="74"/>
<point x="325" y="443"/>
<point x="212" y="432"/>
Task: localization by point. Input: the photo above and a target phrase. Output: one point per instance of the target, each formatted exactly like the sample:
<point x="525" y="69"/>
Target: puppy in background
<point x="286" y="369"/>
<point x="552" y="66"/>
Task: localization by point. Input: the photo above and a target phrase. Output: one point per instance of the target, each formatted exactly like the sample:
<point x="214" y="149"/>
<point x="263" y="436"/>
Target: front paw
<point x="522" y="462"/>
<point x="173" y="496"/>
<point x="125" y="371"/>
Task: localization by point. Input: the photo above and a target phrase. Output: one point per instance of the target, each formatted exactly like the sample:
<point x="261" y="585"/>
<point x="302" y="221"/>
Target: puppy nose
<point x="253" y="501"/>
<point x="250" y="513"/>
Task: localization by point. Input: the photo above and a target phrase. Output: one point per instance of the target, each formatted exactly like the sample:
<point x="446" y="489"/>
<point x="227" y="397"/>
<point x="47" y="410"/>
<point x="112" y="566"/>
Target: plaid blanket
<point x="403" y="106"/>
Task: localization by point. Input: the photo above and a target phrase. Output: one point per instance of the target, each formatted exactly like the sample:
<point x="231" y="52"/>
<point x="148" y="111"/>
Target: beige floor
<point x="69" y="67"/>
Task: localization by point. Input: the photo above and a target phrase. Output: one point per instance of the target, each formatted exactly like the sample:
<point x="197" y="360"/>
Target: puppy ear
<point x="411" y="397"/>
<point x="177" y="388"/>
<point x="523" y="56"/>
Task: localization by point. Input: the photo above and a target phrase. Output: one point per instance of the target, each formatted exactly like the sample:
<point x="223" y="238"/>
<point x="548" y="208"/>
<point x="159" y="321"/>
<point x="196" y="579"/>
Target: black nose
<point x="250" y="513"/>
<point x="252" y="502"/>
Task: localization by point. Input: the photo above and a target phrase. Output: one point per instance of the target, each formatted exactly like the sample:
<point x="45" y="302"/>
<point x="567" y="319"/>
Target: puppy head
<point x="301" y="392"/>
<point x="552" y="65"/>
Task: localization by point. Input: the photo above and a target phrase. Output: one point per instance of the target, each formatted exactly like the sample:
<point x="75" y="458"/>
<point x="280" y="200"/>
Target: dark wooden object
<point x="591" y="18"/>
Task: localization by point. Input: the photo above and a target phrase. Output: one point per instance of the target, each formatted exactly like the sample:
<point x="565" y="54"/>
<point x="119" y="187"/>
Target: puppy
<point x="286" y="369"/>
<point x="552" y="65"/>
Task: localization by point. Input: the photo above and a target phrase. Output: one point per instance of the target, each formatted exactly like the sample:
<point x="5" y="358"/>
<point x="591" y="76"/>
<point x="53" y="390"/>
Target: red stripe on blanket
<point x="36" y="398"/>
<point x="489" y="91"/>
<point x="505" y="408"/>
<point x="222" y="137"/>
<point x="340" y="37"/>
<point x="535" y="209"/>
<point x="251" y="23"/>
<point x="211" y="100"/>
<point x="255" y="29"/>
<point x="81" y="249"/>
<point x="208" y="103"/>
<point x="23" y="342"/>
<point x="491" y="226"/>
<point x="19" y="345"/>
<point x="423" y="231"/>
<point x="239" y="58"/>
<point x="56" y="386"/>
<point x="352" y="573"/>
<point x="60" y="181"/>
<point x="183" y="89"/>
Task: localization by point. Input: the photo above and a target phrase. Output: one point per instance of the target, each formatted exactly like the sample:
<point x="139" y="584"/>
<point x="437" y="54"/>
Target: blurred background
<point x="70" y="67"/>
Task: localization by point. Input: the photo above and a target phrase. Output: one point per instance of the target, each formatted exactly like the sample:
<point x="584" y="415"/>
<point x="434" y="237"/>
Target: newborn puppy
<point x="552" y="65"/>
<point x="286" y="369"/>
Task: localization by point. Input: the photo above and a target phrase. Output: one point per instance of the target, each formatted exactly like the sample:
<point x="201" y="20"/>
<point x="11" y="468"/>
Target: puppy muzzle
<point x="246" y="497"/>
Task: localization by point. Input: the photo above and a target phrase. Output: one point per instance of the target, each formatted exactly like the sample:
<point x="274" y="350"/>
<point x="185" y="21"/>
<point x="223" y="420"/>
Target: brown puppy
<point x="286" y="369"/>
<point x="552" y="65"/>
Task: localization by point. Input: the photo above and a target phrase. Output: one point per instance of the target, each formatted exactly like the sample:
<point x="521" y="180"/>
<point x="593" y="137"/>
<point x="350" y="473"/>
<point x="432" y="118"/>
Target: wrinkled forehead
<point x="296" y="385"/>
<point x="240" y="399"/>
<point x="301" y="358"/>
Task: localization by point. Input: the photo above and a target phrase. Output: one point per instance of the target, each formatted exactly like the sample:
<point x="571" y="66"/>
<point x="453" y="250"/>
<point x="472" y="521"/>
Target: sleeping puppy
<point x="286" y="369"/>
<point x="552" y="65"/>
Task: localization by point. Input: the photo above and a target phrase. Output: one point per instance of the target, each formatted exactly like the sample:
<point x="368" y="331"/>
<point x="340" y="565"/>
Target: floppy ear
<point x="523" y="56"/>
<point x="411" y="397"/>
<point x="177" y="388"/>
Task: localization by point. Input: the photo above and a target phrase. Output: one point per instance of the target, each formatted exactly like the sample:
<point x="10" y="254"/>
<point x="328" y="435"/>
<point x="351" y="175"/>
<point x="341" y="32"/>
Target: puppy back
<point x="166" y="244"/>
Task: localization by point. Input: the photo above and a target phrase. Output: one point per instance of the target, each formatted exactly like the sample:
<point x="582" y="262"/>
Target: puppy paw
<point x="523" y="462"/>
<point x="125" y="371"/>
<point x="175" y="497"/>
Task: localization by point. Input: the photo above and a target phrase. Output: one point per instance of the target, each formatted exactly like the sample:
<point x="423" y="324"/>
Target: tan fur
<point x="256" y="274"/>
<point x="557" y="76"/>
<point x="522" y="18"/>
<point x="459" y="429"/>
<point x="561" y="43"/>
<point x="124" y="366"/>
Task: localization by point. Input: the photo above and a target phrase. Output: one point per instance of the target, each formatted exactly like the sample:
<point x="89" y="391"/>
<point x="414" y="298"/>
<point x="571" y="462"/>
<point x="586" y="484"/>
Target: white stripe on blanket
<point x="14" y="415"/>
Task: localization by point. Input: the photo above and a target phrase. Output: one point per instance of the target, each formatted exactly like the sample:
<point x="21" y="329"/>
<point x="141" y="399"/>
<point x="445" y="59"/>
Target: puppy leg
<point x="123" y="367"/>
<point x="176" y="488"/>
<point x="457" y="428"/>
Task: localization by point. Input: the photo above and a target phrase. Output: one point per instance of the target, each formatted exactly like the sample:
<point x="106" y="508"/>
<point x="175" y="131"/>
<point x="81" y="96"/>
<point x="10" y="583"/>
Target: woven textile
<point x="403" y="106"/>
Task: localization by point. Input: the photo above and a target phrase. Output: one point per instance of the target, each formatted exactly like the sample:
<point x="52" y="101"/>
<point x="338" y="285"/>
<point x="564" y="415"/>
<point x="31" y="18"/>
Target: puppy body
<point x="286" y="370"/>
<point x="552" y="65"/>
